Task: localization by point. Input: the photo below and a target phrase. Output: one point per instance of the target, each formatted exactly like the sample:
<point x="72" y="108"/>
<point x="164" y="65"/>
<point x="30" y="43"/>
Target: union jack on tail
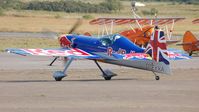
<point x="157" y="48"/>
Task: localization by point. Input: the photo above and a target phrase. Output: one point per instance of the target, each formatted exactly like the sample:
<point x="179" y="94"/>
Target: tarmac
<point x="26" y="85"/>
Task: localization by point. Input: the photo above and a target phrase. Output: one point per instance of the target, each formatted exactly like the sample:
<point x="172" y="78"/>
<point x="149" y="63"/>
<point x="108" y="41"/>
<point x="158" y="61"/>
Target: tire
<point x="190" y="53"/>
<point x="58" y="79"/>
<point x="157" y="78"/>
<point x="107" y="78"/>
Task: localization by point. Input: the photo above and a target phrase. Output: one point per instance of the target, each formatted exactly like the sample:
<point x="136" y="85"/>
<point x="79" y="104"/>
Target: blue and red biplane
<point x="112" y="49"/>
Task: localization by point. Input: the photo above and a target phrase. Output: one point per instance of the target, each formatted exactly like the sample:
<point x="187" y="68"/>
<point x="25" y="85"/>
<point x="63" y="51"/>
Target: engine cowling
<point x="64" y="41"/>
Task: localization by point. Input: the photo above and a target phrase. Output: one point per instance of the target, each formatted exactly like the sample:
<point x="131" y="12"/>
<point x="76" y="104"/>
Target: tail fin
<point x="157" y="49"/>
<point x="188" y="42"/>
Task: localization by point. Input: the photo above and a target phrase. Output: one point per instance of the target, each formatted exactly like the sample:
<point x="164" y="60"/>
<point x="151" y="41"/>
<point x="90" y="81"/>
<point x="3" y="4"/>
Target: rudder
<point x="157" y="49"/>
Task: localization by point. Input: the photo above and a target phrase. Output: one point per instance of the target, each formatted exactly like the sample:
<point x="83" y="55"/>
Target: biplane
<point x="113" y="49"/>
<point x="142" y="33"/>
<point x="140" y="28"/>
<point x="190" y="43"/>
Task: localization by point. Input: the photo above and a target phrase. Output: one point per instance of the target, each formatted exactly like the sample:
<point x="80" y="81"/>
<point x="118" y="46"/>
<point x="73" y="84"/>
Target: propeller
<point x="75" y="26"/>
<point x="72" y="29"/>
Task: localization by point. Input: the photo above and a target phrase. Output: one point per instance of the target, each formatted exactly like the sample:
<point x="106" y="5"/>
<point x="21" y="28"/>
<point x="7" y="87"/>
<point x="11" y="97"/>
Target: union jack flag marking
<point x="157" y="48"/>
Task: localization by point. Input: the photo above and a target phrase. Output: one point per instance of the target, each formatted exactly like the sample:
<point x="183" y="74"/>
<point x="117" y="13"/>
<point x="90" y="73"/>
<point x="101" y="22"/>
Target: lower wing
<point x="61" y="52"/>
<point x="134" y="60"/>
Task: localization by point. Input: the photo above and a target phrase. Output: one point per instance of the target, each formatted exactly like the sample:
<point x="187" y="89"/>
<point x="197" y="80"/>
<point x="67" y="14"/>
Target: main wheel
<point x="58" y="75"/>
<point x="157" y="78"/>
<point x="107" y="78"/>
<point x="58" y="79"/>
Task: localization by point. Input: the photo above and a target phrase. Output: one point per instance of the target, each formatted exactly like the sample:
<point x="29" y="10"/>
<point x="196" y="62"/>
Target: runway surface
<point x="26" y="85"/>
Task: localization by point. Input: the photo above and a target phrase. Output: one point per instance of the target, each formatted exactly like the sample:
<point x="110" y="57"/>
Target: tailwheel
<point x="157" y="78"/>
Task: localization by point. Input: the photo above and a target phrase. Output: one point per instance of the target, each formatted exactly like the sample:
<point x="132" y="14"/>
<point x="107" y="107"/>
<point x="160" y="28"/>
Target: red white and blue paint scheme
<point x="112" y="49"/>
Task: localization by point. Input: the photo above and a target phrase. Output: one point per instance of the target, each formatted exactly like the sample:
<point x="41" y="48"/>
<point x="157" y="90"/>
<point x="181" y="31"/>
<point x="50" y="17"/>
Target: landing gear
<point x="53" y="61"/>
<point x="59" y="75"/>
<point x="107" y="74"/>
<point x="107" y="78"/>
<point x="156" y="76"/>
<point x="190" y="53"/>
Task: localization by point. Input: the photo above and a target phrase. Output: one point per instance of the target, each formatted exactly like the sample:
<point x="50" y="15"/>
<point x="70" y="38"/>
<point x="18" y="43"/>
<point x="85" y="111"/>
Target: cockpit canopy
<point x="108" y="40"/>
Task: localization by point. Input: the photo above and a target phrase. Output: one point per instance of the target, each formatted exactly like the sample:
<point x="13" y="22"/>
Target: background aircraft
<point x="190" y="43"/>
<point x="141" y="34"/>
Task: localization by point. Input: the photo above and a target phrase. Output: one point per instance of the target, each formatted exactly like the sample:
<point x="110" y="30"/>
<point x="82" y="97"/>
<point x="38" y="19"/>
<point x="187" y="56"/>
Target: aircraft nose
<point x="64" y="41"/>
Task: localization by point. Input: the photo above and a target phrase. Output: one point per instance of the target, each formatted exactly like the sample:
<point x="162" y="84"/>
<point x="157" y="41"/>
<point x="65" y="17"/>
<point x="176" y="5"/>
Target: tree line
<point x="177" y="1"/>
<point x="71" y="6"/>
<point x="63" y="5"/>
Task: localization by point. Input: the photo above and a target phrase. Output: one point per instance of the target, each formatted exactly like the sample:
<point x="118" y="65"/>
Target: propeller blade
<point x="75" y="26"/>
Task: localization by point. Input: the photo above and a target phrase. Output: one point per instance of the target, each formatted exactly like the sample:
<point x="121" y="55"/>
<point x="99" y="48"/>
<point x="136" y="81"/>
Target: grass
<point x="27" y="43"/>
<point x="42" y="21"/>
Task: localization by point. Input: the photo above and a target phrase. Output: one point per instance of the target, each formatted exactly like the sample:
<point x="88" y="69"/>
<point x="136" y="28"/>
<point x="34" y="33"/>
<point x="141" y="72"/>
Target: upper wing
<point x="196" y="21"/>
<point x="142" y="21"/>
<point x="64" y="52"/>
